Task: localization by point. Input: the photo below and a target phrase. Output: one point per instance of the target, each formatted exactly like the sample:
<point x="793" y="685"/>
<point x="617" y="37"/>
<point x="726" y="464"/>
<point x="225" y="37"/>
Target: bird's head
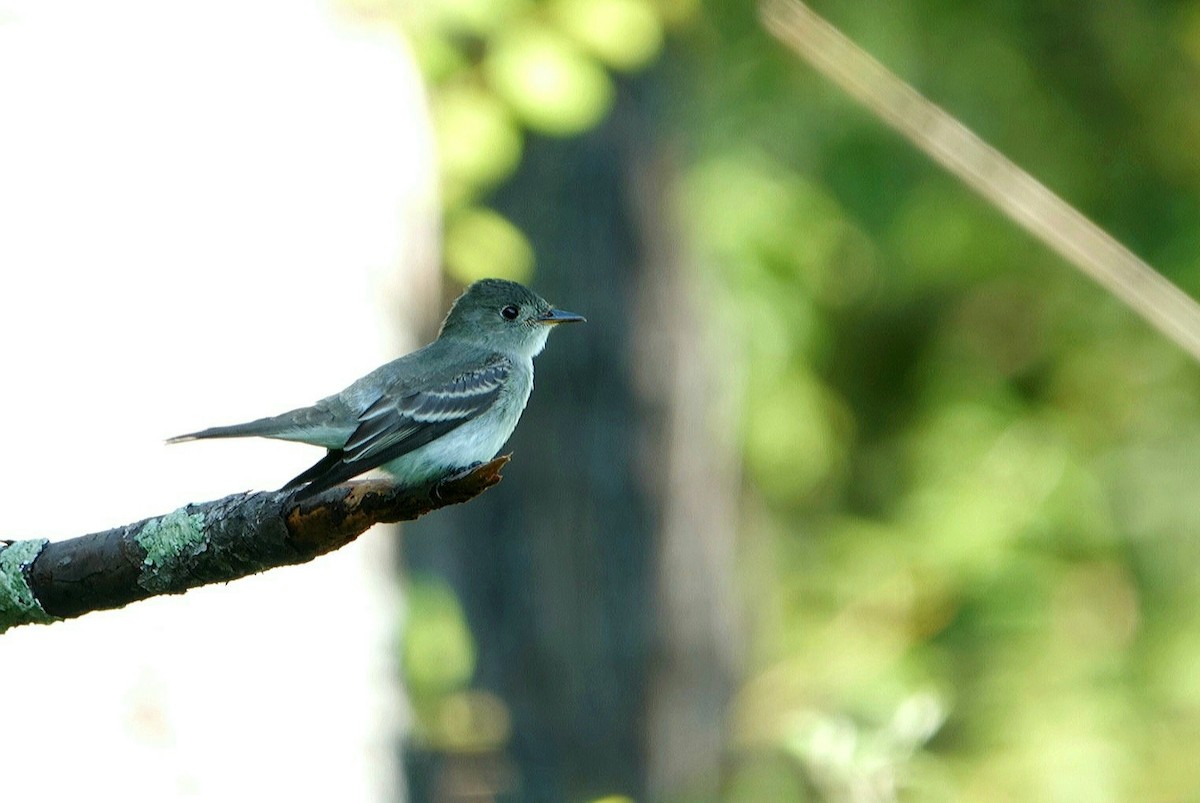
<point x="505" y="316"/>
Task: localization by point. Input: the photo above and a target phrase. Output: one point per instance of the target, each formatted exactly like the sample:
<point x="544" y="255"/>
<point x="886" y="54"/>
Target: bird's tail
<point x="274" y="427"/>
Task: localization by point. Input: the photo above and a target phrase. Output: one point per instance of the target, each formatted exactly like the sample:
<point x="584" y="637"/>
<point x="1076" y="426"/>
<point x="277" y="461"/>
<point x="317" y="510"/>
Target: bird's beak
<point x="556" y="316"/>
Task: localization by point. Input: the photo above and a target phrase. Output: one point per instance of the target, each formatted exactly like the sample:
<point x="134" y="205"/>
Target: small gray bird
<point x="444" y="407"/>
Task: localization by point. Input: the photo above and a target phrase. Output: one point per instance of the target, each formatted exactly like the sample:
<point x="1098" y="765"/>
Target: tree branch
<point x="209" y="542"/>
<point x="1024" y="199"/>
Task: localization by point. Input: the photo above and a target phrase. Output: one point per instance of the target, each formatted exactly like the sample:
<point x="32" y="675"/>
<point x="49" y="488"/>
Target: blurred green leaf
<point x="478" y="143"/>
<point x="438" y="650"/>
<point x="796" y="439"/>
<point x="437" y="56"/>
<point x="481" y="243"/>
<point x="469" y="721"/>
<point x="476" y="17"/>
<point x="624" y="34"/>
<point x="550" y="84"/>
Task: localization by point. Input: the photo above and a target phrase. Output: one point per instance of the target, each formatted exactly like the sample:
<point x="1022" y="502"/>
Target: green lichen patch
<point x="171" y="542"/>
<point x="18" y="605"/>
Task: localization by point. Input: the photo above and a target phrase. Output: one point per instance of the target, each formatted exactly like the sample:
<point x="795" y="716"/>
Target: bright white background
<point x="206" y="211"/>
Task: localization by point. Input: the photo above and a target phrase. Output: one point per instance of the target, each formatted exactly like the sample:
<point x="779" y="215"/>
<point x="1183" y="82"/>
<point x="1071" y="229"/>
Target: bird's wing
<point x="406" y="419"/>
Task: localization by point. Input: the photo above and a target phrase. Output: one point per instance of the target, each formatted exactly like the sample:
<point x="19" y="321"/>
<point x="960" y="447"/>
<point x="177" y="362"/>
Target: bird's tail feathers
<point x="274" y="427"/>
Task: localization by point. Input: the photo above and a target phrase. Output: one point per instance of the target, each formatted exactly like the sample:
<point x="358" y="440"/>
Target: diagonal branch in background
<point x="209" y="542"/>
<point x="984" y="169"/>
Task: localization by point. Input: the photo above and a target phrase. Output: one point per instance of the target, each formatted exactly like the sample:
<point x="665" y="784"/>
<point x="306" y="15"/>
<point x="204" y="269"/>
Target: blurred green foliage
<point x="971" y="469"/>
<point x="972" y="543"/>
<point x="438" y="660"/>
<point x="501" y="68"/>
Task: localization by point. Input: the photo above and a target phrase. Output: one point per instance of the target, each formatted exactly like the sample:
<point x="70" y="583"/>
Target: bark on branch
<point x="209" y="542"/>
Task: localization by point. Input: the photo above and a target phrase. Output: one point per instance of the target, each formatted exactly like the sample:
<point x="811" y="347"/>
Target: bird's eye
<point x="510" y="312"/>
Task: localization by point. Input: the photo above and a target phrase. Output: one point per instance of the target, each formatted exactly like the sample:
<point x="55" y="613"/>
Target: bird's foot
<point x="457" y="475"/>
<point x="462" y="472"/>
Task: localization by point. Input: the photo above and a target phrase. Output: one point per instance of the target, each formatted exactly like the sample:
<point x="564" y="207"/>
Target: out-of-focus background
<point x="848" y="490"/>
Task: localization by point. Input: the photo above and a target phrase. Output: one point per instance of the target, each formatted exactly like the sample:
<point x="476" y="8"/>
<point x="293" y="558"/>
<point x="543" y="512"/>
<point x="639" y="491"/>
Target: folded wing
<point x="399" y="423"/>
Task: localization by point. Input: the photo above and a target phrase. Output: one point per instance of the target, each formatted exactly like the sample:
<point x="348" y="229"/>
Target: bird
<point x="441" y="409"/>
